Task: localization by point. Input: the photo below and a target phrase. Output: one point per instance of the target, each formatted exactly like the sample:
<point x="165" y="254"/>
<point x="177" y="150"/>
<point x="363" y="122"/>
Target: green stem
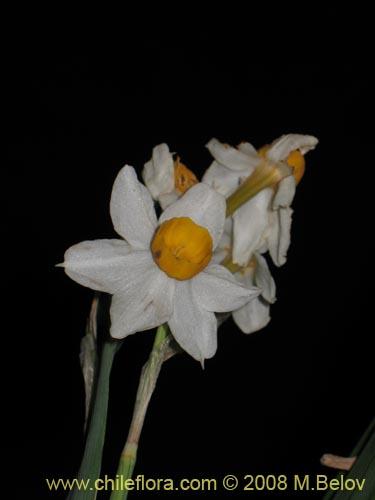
<point x="161" y="351"/>
<point x="161" y="334"/>
<point x="92" y="457"/>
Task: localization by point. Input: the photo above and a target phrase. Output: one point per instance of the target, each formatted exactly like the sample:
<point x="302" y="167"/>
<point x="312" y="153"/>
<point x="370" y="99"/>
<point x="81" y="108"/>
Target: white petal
<point x="263" y="246"/>
<point x="249" y="224"/>
<point x="224" y="246"/>
<point x="279" y="234"/>
<point x="222" y="179"/>
<point x="253" y="316"/>
<point x="158" y="173"/>
<point x="285" y="218"/>
<point x="285" y="193"/>
<point x="194" y="328"/>
<point x="132" y="209"/>
<point x="97" y="264"/>
<point x="249" y="149"/>
<point x="233" y="158"/>
<point x="217" y="290"/>
<point x="226" y="239"/>
<point x="263" y="279"/>
<point x="168" y="198"/>
<point x="144" y="301"/>
<point x="219" y="255"/>
<point x="284" y="145"/>
<point x="202" y="205"/>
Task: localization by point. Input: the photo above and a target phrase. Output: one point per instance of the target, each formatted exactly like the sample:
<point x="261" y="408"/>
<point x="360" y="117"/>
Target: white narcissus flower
<point x="255" y="314"/>
<point x="262" y="223"/>
<point x="166" y="179"/>
<point x="161" y="270"/>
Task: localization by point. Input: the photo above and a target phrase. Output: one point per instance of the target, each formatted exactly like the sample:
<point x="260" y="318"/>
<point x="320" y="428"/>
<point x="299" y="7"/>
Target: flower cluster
<point x="200" y="257"/>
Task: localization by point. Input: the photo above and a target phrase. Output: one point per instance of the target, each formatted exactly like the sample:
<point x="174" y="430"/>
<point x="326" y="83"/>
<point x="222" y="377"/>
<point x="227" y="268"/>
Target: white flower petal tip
<point x="158" y="173"/>
<point x="264" y="280"/>
<point x="244" y="159"/>
<point x="193" y="327"/>
<point x="132" y="209"/>
<point x="61" y="264"/>
<point x="253" y="318"/>
<point x="284" y="145"/>
<point x="279" y="235"/>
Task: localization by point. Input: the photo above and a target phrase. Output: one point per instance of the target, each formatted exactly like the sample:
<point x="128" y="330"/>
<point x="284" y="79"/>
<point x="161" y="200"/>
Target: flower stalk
<point x="161" y="351"/>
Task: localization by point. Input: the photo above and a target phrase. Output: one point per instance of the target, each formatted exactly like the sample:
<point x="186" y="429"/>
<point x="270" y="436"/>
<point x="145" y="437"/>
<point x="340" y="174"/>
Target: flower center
<point x="181" y="248"/>
<point x="183" y="177"/>
<point x="295" y="160"/>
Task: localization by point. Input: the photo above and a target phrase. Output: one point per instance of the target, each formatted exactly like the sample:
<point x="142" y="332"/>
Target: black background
<point x="269" y="403"/>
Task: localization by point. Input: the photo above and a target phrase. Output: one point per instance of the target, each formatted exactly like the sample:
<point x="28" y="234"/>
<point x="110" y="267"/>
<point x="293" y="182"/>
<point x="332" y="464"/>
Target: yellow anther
<point x="181" y="248"/>
<point x="183" y="177"/>
<point x="295" y="160"/>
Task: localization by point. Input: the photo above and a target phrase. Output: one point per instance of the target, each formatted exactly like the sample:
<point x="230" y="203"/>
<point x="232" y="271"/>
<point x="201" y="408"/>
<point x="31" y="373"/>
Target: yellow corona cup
<point x="181" y="248"/>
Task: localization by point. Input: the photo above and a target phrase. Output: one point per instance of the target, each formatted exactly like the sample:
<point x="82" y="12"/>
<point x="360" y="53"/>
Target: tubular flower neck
<point x="266" y="175"/>
<point x="181" y="248"/>
<point x="183" y="177"/>
<point x="295" y="160"/>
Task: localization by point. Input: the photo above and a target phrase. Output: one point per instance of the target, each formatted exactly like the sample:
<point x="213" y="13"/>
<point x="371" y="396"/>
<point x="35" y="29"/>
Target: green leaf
<point x="96" y="373"/>
<point x="92" y="457"/>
